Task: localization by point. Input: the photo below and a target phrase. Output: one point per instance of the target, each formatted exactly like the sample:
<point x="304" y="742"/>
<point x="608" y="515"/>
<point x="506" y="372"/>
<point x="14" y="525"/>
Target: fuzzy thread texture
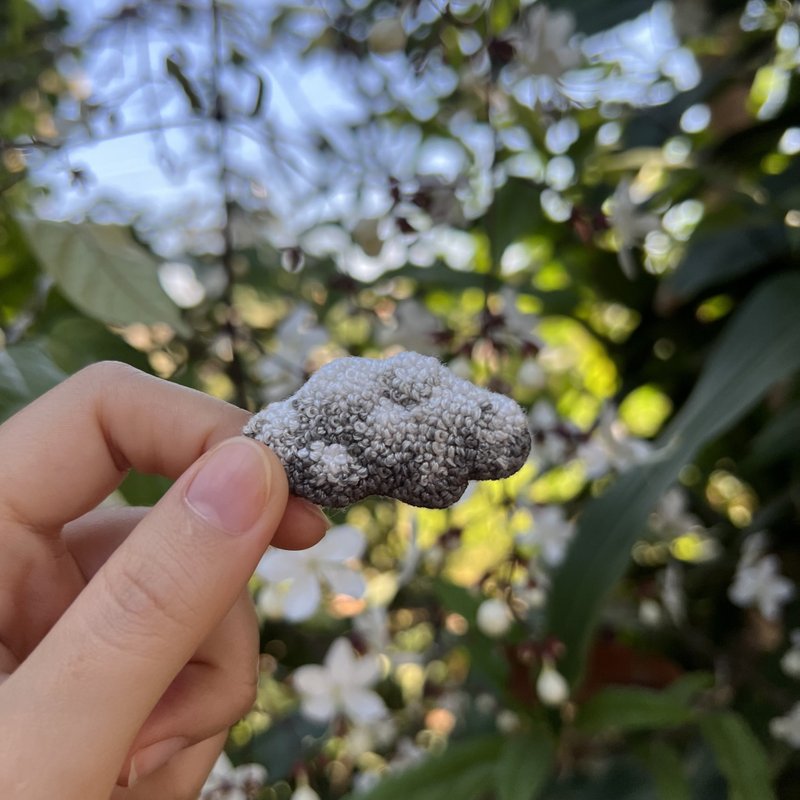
<point x="403" y="427"/>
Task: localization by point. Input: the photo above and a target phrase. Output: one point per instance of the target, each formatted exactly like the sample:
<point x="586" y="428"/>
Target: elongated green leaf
<point x="667" y="770"/>
<point x="465" y="770"/>
<point x="778" y="438"/>
<point x="740" y="756"/>
<point x="760" y="346"/>
<point x="726" y="254"/>
<point x="103" y="272"/>
<point x="25" y="373"/>
<point x="630" y="708"/>
<point x="525" y="765"/>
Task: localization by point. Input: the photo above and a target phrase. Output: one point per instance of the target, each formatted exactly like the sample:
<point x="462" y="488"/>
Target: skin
<point x="128" y="641"/>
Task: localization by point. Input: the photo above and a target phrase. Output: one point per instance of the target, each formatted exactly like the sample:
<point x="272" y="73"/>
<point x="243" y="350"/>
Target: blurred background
<point x="591" y="206"/>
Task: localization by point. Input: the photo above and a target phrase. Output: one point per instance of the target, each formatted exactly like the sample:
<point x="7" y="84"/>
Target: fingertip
<point x="303" y="525"/>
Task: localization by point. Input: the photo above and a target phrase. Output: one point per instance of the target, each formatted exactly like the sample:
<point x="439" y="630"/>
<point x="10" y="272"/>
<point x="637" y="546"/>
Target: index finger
<point x="67" y="451"/>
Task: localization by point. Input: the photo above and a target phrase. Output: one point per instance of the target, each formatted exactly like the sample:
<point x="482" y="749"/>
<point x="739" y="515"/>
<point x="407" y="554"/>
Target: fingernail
<point x="315" y="511"/>
<point x="153" y="757"/>
<point x="230" y="490"/>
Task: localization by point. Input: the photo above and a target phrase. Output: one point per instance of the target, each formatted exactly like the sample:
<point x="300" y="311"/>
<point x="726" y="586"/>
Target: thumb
<point x="96" y="676"/>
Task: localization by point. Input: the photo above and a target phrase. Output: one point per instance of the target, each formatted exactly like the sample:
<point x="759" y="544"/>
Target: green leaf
<point x="75" y="342"/>
<point x="684" y="689"/>
<point x="667" y="770"/>
<point x="143" y="490"/>
<point x="25" y="373"/>
<point x="630" y="708"/>
<point x="777" y="439"/>
<point x="525" y="765"/>
<point x="174" y="71"/>
<point x="103" y="272"/>
<point x="284" y="744"/>
<point x="716" y="258"/>
<point x="759" y="346"/>
<point x="740" y="756"/>
<point x="465" y="770"/>
<point x="457" y="598"/>
<point x="514" y="213"/>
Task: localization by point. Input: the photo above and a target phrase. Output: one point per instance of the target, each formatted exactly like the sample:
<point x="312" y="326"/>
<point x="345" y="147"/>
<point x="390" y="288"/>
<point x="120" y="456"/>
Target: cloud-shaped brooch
<point x="403" y="427"/>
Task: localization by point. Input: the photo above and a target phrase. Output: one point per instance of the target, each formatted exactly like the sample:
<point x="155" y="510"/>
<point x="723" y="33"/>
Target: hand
<point x="128" y="642"/>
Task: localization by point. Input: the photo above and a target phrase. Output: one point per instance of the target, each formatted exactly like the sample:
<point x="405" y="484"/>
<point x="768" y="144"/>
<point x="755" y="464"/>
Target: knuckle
<point x="106" y="372"/>
<point x="144" y="601"/>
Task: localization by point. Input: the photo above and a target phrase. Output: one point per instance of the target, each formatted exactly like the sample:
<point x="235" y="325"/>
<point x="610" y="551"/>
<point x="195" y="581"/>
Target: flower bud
<point x="552" y="688"/>
<point x="494" y="618"/>
<point x="304" y="792"/>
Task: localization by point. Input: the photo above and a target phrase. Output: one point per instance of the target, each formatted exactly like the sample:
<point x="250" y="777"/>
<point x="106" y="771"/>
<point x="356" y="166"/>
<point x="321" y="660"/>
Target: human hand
<point x="128" y="642"/>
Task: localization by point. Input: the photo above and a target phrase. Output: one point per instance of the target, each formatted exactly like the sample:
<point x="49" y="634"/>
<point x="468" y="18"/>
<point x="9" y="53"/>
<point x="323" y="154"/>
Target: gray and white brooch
<point x="403" y="427"/>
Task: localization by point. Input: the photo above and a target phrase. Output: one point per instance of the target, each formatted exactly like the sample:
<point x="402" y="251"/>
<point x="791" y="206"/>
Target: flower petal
<point x="320" y="707"/>
<point x="365" y="671"/>
<point x="278" y="565"/>
<point x="340" y="660"/>
<point x="302" y="598"/>
<point x="363" y="705"/>
<point x="311" y="680"/>
<point x="343" y="580"/>
<point x="340" y="543"/>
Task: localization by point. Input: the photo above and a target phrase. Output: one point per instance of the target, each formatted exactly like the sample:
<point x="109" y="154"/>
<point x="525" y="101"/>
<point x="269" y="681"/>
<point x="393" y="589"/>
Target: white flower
<point x="611" y="447"/>
<point x="340" y="685"/>
<point x="631" y="225"/>
<point x="551" y="442"/>
<point x="543" y="42"/>
<point x="787" y="727"/>
<point x="531" y="376"/>
<point x="551" y="686"/>
<point x="670" y="517"/>
<point x="227" y="782"/>
<point x="283" y="372"/>
<point x="494" y="617"/>
<point x="551" y="534"/>
<point x="413" y="327"/>
<point x="649" y="612"/>
<point x="790" y="662"/>
<point x="757" y="581"/>
<point x="295" y="577"/>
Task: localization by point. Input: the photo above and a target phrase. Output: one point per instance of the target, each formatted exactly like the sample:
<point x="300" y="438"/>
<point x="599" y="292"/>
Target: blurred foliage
<point x="600" y="221"/>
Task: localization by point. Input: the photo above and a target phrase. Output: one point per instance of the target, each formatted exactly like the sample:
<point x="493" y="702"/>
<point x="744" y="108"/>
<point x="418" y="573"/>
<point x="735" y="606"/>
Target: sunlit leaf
<point x="103" y="272"/>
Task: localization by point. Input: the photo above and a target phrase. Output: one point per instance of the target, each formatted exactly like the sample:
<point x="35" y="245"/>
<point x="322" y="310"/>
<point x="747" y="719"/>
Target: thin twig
<point x="235" y="368"/>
